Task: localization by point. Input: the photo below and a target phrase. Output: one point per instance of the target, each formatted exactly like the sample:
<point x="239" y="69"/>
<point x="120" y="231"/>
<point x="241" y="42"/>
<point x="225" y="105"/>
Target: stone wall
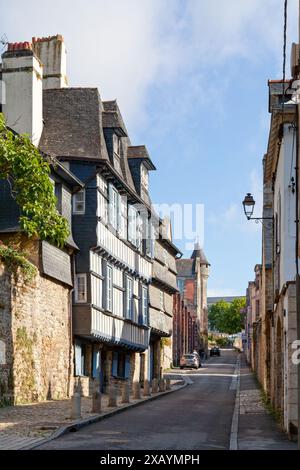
<point x="35" y="327"/>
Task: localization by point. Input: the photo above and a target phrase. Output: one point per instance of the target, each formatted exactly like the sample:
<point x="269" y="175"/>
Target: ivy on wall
<point x="28" y="172"/>
<point x="14" y="259"/>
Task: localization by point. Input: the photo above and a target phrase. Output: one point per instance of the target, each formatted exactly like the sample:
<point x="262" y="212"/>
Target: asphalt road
<point x="194" y="418"/>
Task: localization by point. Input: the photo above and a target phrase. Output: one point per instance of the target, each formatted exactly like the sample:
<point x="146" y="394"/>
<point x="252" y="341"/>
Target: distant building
<point x="192" y="276"/>
<point x="228" y="299"/>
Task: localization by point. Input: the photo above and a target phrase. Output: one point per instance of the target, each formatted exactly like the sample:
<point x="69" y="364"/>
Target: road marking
<point x="188" y="380"/>
<point x="235" y="417"/>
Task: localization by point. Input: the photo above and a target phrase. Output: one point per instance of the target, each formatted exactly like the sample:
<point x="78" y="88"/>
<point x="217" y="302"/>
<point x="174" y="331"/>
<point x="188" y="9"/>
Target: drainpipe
<point x="296" y="261"/>
<point x="297" y="247"/>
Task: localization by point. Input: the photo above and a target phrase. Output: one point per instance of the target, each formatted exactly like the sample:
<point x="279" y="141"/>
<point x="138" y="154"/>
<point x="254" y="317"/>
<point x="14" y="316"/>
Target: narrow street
<point x="197" y="417"/>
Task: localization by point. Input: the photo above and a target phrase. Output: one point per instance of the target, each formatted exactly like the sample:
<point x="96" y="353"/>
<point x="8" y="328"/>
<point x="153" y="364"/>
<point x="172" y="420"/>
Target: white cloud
<point x="233" y="218"/>
<point x="124" y="47"/>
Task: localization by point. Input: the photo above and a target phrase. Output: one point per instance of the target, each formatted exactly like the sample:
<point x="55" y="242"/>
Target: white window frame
<point x="109" y="288"/>
<point x="129" y="298"/>
<point x="77" y="299"/>
<point x="113" y="207"/>
<point x="144" y="305"/>
<point x="75" y="202"/>
<point x="132" y="224"/>
<point x="139" y="232"/>
<point x="123" y="216"/>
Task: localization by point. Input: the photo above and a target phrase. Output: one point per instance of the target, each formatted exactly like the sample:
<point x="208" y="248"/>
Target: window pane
<point x="81" y="288"/>
<point x="79" y="202"/>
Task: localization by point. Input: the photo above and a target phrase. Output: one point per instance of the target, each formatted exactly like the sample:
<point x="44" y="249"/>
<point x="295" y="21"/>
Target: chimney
<point x="22" y="106"/>
<point x="52" y="53"/>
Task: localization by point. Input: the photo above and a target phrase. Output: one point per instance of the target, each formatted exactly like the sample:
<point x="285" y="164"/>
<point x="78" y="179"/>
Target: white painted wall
<point x="52" y="53"/>
<point x="285" y="170"/>
<point x="23" y="107"/>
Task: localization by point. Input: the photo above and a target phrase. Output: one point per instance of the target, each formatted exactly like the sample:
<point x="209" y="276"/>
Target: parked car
<point x="190" y="360"/>
<point x="215" y="351"/>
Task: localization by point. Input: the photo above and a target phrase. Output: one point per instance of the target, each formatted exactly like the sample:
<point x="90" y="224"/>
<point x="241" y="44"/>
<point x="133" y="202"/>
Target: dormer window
<point x="117" y="143"/>
<point x="79" y="202"/>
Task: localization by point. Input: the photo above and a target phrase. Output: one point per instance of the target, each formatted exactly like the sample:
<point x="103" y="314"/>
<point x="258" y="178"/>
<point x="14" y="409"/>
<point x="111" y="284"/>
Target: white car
<point x="190" y="360"/>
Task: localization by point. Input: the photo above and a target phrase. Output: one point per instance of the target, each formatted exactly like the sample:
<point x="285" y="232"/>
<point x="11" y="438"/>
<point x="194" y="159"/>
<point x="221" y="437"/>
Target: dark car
<point x="215" y="351"/>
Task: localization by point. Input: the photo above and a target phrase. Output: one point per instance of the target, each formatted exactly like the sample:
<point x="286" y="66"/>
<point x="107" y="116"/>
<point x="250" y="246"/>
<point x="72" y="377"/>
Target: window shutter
<point x="127" y="366"/>
<point x="115" y="364"/>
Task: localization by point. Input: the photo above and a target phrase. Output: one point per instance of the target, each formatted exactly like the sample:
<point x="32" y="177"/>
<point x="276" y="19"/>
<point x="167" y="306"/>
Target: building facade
<point x="123" y="274"/>
<point x="271" y="315"/>
<point x="192" y="276"/>
<point x="253" y="319"/>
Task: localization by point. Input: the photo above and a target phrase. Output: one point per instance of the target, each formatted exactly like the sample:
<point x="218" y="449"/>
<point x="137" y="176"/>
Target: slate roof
<point x="73" y="124"/>
<point x="140" y="152"/>
<point x="199" y="253"/>
<point x="185" y="267"/>
<point x="111" y="117"/>
<point x="112" y="107"/>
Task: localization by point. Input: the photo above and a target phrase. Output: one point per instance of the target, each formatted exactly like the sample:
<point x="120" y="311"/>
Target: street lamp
<point x="249" y="204"/>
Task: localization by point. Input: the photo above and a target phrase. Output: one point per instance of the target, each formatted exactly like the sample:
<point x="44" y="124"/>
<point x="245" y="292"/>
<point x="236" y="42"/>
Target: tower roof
<point x="199" y="253"/>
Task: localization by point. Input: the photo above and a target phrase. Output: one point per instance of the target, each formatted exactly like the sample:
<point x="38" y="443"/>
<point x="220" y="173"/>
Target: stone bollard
<point x="154" y="386"/>
<point x="168" y="384"/>
<point x="125" y="393"/>
<point x="96" y="405"/>
<point x="136" y="390"/>
<point x="146" y="392"/>
<point x="112" y="396"/>
<point x="162" y="385"/>
<point x="76" y="406"/>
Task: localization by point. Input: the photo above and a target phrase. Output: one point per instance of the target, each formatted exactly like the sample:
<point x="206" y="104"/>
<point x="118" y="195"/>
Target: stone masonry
<point x="35" y="333"/>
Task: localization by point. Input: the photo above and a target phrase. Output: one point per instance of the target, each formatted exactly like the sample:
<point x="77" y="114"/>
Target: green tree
<point x="27" y="172"/>
<point x="216" y="313"/>
<point x="226" y="317"/>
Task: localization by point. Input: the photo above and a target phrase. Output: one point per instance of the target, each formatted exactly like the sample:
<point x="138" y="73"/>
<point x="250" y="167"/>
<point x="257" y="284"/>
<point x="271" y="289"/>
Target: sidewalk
<point x="257" y="428"/>
<point x="27" y="426"/>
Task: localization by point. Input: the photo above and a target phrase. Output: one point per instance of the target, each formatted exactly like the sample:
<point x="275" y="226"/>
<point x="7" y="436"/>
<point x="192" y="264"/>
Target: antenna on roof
<point x="3" y="42"/>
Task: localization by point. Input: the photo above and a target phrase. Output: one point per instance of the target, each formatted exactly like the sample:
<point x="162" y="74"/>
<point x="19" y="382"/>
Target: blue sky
<point x="190" y="77"/>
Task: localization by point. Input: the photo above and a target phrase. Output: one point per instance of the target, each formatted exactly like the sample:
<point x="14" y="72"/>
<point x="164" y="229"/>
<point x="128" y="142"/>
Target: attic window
<point x="117" y="144"/>
<point x="144" y="178"/>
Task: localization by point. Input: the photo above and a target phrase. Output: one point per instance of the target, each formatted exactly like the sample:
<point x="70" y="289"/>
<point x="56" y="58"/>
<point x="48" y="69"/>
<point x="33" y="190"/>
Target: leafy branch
<point x="27" y="172"/>
<point x="15" y="259"/>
